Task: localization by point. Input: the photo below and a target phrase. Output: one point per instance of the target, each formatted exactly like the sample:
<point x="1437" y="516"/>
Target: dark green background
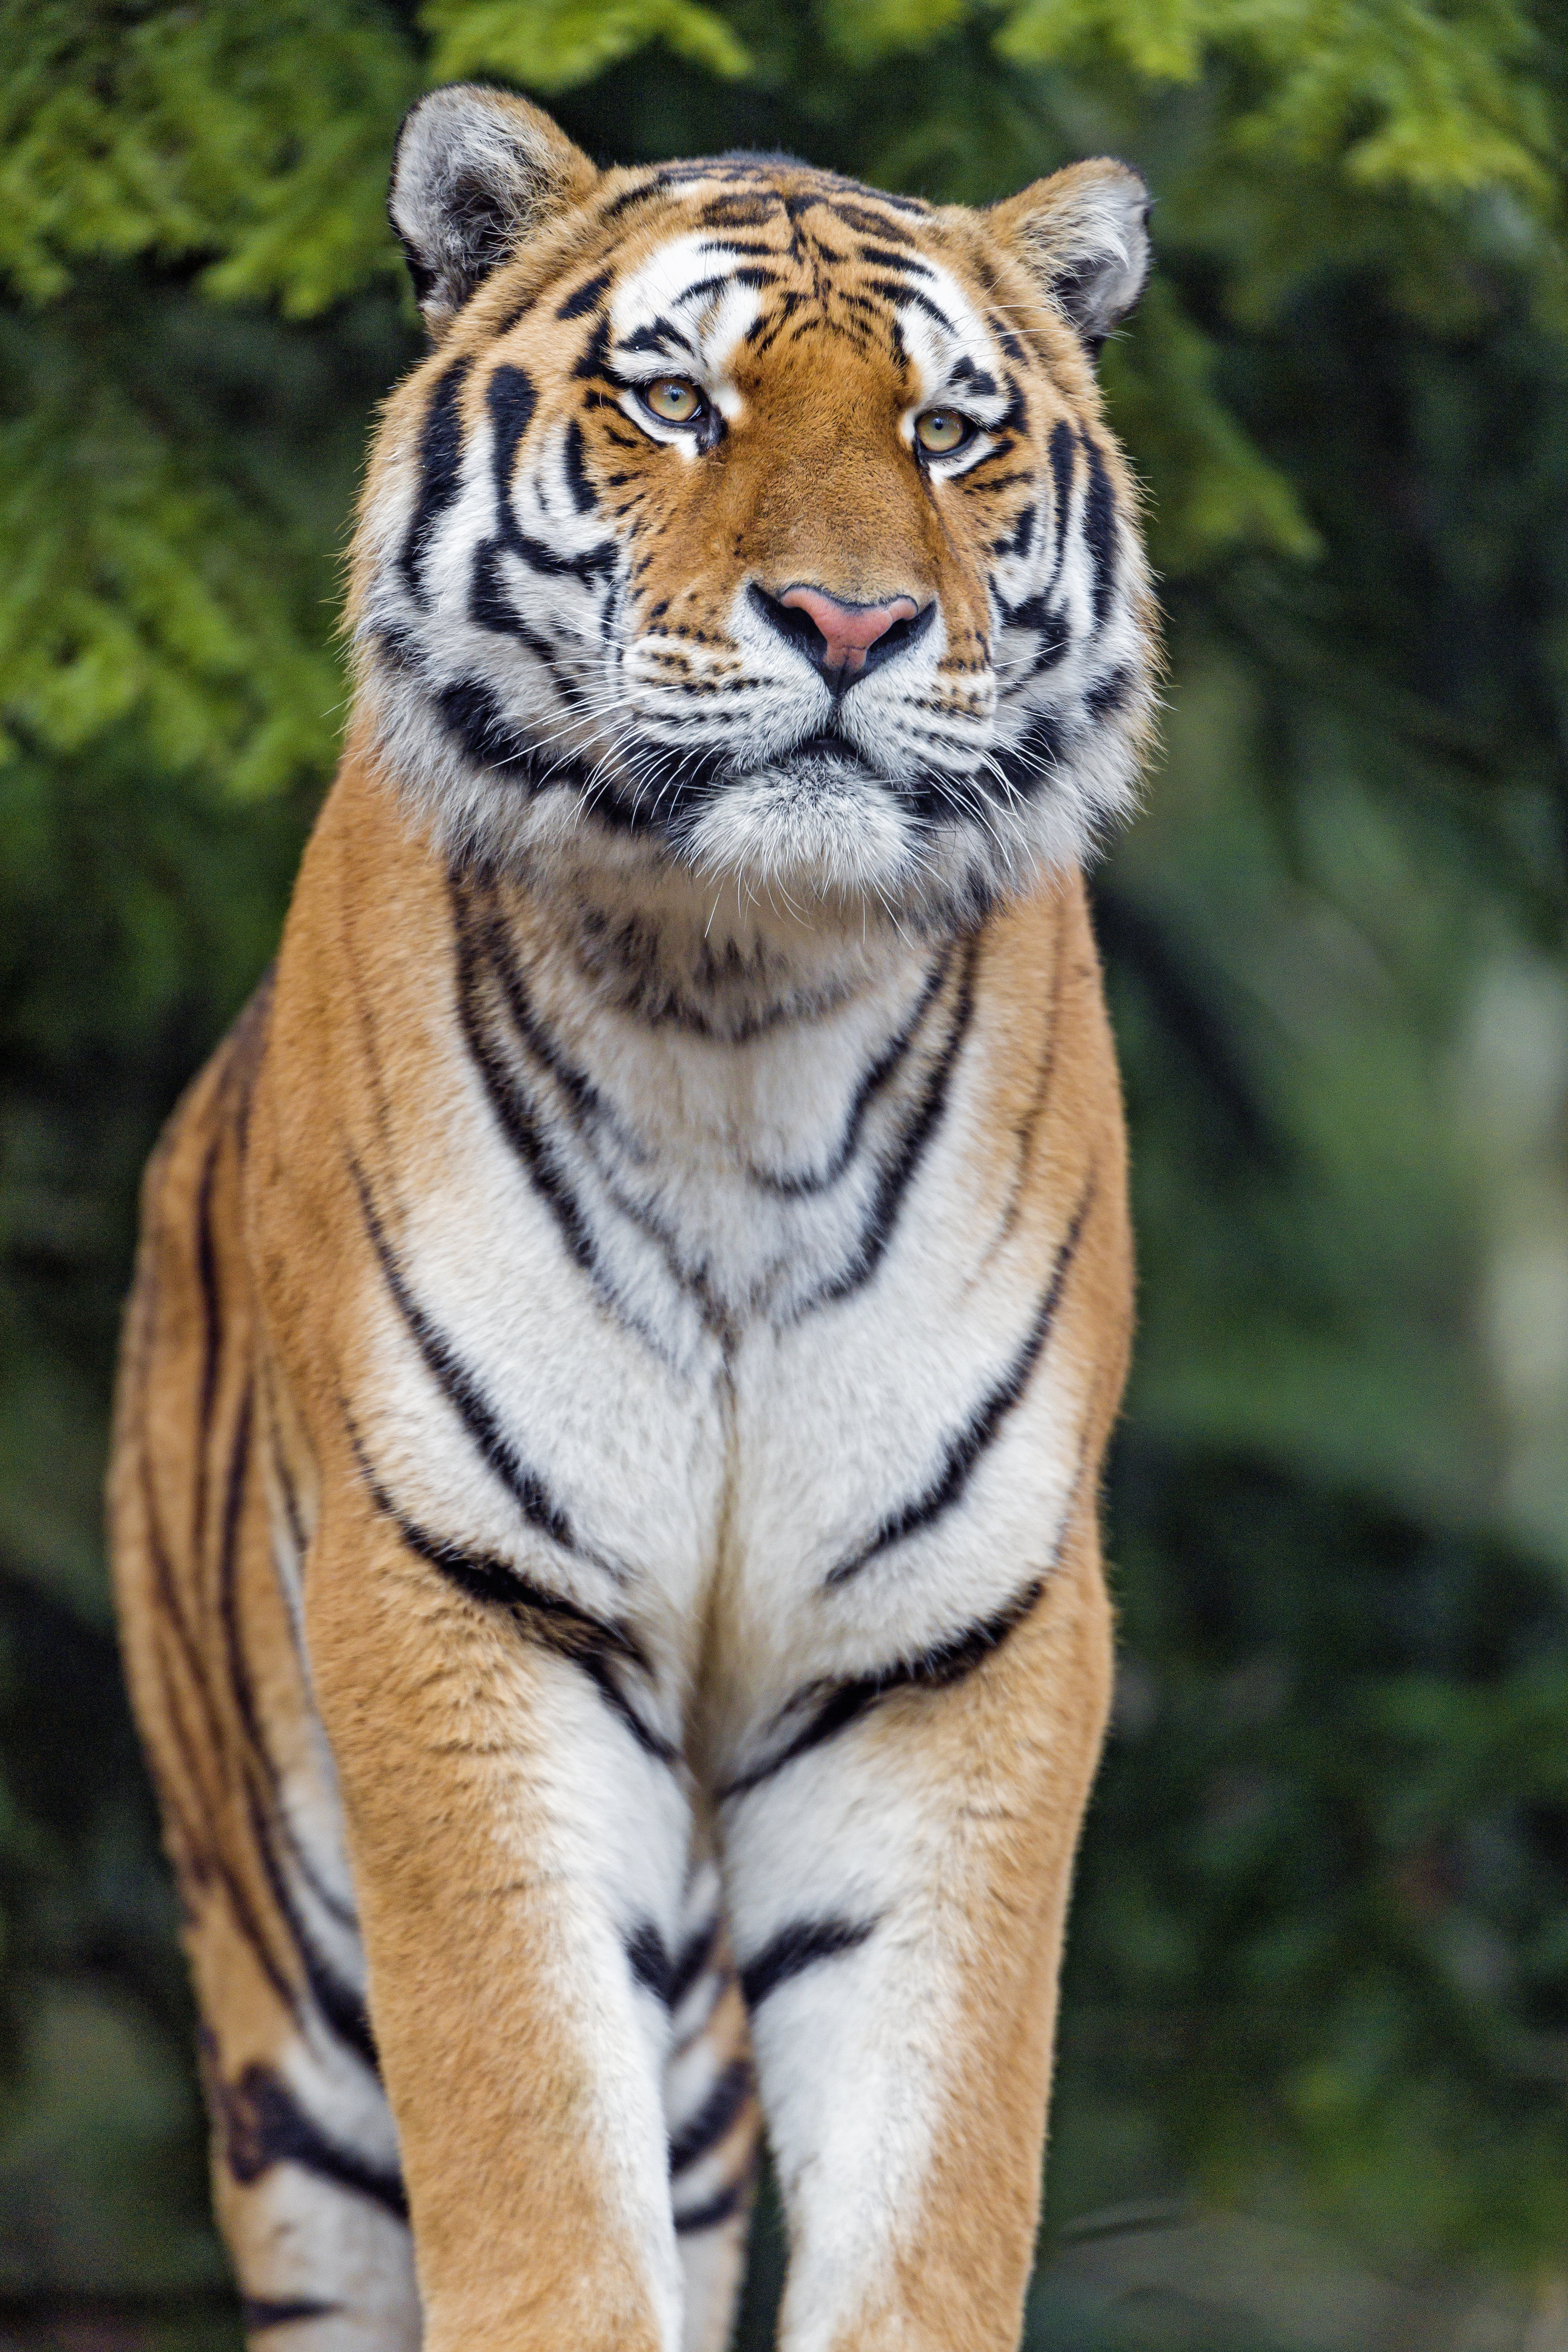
<point x="1314" y="2085"/>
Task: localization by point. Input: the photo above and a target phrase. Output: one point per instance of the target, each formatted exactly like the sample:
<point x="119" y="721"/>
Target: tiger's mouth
<point x="826" y="750"/>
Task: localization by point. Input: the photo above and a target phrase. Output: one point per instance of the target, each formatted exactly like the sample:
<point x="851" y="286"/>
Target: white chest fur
<point x="715" y="1277"/>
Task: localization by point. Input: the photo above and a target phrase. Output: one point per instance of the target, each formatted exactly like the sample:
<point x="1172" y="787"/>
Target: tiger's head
<point x="747" y="524"/>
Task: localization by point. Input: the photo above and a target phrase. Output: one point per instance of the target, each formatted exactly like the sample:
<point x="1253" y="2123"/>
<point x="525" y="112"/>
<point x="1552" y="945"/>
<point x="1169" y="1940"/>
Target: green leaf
<point x="868" y="30"/>
<point x="554" y="44"/>
<point x="1213" y="490"/>
<point x="260" y="141"/>
<point x="139" y="589"/>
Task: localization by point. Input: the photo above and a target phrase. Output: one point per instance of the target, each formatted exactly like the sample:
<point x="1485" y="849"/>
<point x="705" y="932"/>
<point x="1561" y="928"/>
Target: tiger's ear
<point x="476" y="172"/>
<point x="1083" y="235"/>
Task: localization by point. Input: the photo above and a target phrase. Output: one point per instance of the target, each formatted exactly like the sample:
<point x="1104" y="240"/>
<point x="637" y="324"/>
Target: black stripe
<point x="515" y="1117"/>
<point x="460" y="1387"/>
<point x="595" y="353"/>
<point x="936" y="1668"/>
<point x="486" y="1577"/>
<point x="327" y="1895"/>
<point x="511" y="400"/>
<point x="171" y="1614"/>
<point x="339" y="2007"/>
<point x="440" y="473"/>
<point x="551" y="565"/>
<point x="1035" y="611"/>
<point x="867" y="222"/>
<point x="472" y="714"/>
<point x="584" y="1103"/>
<point x="907" y="297"/>
<point x="524" y="1130"/>
<point x="584" y="497"/>
<point x="739" y="212"/>
<point x="983" y="384"/>
<point x="963" y="1452"/>
<point x="489" y="931"/>
<point x="713" y="2120"/>
<point x="578" y="305"/>
<point x="490" y="605"/>
<point x="1025" y="1130"/>
<point x="1099" y="528"/>
<point x="721" y="2207"/>
<point x="881" y="1219"/>
<point x="211" y="1332"/>
<point x="290" y="1495"/>
<point x="751" y="275"/>
<point x="262" y="2124"/>
<point x="1034" y="758"/>
<point x="640" y="195"/>
<point x="205" y="1856"/>
<point x="658" y="335"/>
<point x="1060" y="450"/>
<point x="1013" y="420"/>
<point x="1109" y="693"/>
<point x="888" y="258"/>
<point x="228" y="1584"/>
<point x="726" y="244"/>
<point x="691" y="1960"/>
<point x="246" y="1920"/>
<point x="569" y="1632"/>
<point x="1023" y="538"/>
<point x="1054" y="632"/>
<point x="255" y="2314"/>
<point x="648" y="1958"/>
<point x="794" y="1188"/>
<point x="796" y="1948"/>
<point x="1005" y="337"/>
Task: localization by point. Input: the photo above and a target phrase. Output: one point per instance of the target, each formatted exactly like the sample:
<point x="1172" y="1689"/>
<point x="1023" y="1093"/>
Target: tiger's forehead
<point x="735" y="268"/>
<point x="738" y="193"/>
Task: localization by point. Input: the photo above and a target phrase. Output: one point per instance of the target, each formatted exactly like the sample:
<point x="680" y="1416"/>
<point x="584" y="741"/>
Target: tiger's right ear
<point x="476" y="172"/>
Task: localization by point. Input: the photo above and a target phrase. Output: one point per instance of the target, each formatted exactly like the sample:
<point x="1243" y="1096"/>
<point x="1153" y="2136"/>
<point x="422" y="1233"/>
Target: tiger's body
<point x="627" y="1328"/>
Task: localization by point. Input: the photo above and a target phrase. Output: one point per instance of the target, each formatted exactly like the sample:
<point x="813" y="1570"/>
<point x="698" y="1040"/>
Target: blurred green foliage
<point x="1318" y="1983"/>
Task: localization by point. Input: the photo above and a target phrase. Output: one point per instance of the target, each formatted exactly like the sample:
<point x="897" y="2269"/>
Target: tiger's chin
<point x="818" y="825"/>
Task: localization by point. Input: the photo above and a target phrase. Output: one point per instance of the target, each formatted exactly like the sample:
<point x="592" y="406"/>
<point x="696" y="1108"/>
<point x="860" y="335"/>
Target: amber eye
<point x="941" y="430"/>
<point x="673" y="399"/>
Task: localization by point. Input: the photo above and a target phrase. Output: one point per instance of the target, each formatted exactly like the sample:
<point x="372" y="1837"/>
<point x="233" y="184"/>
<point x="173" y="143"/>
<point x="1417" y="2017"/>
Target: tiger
<point x="605" y="1485"/>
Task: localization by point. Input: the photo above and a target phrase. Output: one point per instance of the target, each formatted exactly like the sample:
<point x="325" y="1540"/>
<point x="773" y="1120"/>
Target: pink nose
<point x="848" y="630"/>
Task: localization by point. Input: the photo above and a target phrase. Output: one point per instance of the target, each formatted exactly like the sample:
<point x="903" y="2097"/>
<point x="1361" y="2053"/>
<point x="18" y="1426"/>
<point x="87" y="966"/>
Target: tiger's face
<point x="749" y="524"/>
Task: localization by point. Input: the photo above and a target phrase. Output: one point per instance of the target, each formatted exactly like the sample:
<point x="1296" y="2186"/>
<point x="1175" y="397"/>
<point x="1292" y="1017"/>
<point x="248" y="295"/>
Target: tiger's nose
<point x="842" y="640"/>
<point x="848" y="631"/>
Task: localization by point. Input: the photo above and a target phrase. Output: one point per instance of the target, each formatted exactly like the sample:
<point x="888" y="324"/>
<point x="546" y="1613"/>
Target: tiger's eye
<point x="941" y="430"/>
<point x="674" y="399"/>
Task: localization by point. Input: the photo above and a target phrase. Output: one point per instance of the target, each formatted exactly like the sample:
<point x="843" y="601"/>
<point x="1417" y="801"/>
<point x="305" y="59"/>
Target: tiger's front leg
<point x="897" y="1874"/>
<point x="519" y="1837"/>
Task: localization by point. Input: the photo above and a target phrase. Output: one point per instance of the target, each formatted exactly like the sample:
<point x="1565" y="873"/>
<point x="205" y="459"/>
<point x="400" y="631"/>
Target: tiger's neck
<point x="567" y="1091"/>
<point x="714" y="962"/>
<point x="728" y="1087"/>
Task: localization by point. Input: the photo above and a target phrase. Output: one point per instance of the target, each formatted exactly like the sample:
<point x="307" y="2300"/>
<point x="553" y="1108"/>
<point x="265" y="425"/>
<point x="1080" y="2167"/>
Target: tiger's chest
<point x="725" y="1307"/>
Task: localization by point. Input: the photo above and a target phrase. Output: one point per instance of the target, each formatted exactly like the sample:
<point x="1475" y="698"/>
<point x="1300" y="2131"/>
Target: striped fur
<point x="627" y="1328"/>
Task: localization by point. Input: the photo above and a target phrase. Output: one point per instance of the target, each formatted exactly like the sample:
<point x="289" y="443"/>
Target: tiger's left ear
<point x="477" y="174"/>
<point x="1083" y="235"/>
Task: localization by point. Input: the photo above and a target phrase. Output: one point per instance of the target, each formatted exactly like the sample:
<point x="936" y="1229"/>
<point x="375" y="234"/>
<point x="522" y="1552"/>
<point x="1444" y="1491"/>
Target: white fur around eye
<point x="687" y="291"/>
